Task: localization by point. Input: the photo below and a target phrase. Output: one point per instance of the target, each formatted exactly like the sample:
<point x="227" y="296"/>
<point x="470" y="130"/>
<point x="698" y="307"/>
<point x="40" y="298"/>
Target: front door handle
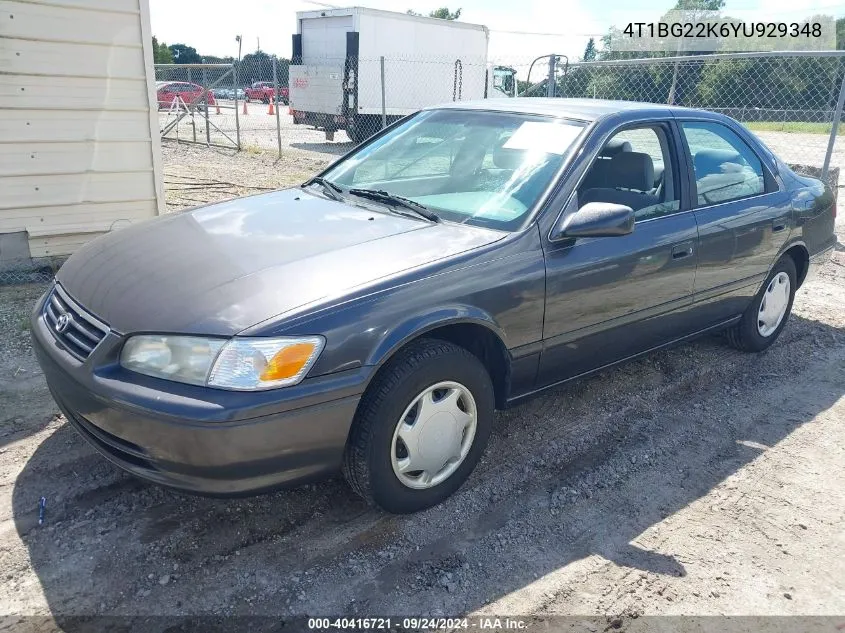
<point x="680" y="251"/>
<point x="778" y="226"/>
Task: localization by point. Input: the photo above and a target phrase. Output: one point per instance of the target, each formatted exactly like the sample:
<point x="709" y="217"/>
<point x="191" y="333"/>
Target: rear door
<point x="743" y="217"/>
<point x="316" y="84"/>
<point x="324" y="39"/>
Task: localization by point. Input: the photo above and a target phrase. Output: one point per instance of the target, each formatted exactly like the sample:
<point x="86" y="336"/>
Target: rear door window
<point x="724" y="166"/>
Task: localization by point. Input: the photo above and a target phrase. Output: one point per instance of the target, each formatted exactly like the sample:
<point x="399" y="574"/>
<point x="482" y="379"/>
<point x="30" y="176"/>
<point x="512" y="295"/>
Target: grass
<point x="801" y="127"/>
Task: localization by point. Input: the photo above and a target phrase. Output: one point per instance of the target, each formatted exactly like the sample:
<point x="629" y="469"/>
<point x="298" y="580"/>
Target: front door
<point x="608" y="298"/>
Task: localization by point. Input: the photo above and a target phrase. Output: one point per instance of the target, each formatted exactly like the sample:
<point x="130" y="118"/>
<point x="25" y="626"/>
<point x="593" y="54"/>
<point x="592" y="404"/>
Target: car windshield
<point x="478" y="167"/>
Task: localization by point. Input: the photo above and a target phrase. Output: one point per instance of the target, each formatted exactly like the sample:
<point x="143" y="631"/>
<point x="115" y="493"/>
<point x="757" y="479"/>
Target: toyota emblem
<point x="62" y="322"/>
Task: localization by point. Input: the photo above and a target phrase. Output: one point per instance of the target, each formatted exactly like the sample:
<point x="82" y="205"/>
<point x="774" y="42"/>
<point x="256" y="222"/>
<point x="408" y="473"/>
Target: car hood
<point x="222" y="268"/>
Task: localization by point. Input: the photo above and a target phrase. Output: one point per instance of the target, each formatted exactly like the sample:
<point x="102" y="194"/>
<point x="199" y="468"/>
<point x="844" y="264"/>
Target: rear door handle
<point x="680" y="251"/>
<point x="778" y="226"/>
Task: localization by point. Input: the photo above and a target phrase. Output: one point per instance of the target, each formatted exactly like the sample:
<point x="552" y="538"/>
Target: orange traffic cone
<point x="270" y="110"/>
<point x="217" y="104"/>
<point x="245" y="112"/>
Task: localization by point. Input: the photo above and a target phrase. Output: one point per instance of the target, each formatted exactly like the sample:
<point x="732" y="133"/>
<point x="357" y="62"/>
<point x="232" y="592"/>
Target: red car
<point x="191" y="94"/>
<point x="264" y="91"/>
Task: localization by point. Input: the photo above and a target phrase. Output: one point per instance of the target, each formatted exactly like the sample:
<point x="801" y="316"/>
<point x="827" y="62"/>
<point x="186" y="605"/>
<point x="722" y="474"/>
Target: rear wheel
<point x="363" y="127"/>
<point x="420" y="428"/>
<point x="766" y="316"/>
<point x="357" y="134"/>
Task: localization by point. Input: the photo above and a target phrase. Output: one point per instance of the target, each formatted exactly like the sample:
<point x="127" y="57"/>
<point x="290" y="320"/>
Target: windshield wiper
<point x="398" y="201"/>
<point x="331" y="189"/>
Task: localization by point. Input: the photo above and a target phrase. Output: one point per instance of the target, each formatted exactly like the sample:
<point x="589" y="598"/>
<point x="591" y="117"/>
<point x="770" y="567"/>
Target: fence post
<point x="207" y="107"/>
<point x="237" y="120"/>
<point x="550" y="85"/>
<point x="834" y="128"/>
<point x="276" y="94"/>
<point x="383" y="98"/>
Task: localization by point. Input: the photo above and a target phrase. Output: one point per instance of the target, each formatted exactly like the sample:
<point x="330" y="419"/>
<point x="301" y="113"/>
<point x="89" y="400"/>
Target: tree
<point x="184" y="54"/>
<point x="258" y="66"/>
<point x="590" y="51"/>
<point x="161" y="53"/>
<point x="213" y="59"/>
<point x="442" y="13"/>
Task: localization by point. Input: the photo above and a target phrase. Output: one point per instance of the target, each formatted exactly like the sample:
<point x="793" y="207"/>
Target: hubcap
<point x="773" y="305"/>
<point x="434" y="435"/>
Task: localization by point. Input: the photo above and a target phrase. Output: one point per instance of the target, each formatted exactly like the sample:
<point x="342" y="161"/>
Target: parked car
<point x="191" y="95"/>
<point x="459" y="261"/>
<point x="223" y="93"/>
<point x="265" y="92"/>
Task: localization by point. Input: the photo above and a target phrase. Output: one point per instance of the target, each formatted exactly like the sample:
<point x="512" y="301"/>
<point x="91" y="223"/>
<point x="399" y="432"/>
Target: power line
<point x="548" y="34"/>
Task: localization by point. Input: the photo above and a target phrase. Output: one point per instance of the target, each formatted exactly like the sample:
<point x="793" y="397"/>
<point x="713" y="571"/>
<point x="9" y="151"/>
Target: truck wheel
<point x="420" y="428"/>
<point x="363" y="127"/>
<point x="357" y="134"/>
<point x="763" y="320"/>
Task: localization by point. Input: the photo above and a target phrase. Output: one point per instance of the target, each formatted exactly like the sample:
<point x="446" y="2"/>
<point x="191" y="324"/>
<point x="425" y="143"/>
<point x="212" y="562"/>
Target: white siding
<point x="79" y="147"/>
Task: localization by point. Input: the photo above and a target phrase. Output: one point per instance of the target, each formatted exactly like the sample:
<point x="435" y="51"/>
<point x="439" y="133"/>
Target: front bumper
<point x="198" y="439"/>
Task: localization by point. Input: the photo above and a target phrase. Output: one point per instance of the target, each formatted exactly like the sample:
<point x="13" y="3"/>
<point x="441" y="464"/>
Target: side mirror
<point x="598" y="219"/>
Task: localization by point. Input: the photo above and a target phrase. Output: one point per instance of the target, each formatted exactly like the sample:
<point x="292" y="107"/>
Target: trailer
<point x="342" y="57"/>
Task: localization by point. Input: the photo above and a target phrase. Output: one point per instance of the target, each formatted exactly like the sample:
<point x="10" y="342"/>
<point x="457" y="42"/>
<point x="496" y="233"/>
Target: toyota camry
<point x="371" y="320"/>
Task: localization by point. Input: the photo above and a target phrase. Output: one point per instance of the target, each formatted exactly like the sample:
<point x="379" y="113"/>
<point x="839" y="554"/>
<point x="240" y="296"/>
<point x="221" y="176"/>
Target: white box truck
<point x="335" y="78"/>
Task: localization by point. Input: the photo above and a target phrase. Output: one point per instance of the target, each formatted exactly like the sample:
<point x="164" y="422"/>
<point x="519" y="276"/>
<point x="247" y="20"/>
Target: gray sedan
<point x="461" y="260"/>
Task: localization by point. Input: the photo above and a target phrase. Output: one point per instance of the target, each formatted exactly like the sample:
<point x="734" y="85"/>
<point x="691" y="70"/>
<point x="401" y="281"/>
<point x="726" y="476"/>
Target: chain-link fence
<point x="30" y="272"/>
<point x="792" y="101"/>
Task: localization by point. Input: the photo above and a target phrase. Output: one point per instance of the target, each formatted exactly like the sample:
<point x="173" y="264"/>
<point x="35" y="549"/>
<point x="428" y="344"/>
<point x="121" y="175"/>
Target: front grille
<point x="77" y="331"/>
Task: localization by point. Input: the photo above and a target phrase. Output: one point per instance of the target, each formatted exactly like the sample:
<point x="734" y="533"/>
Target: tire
<point x="363" y="127"/>
<point x="749" y="335"/>
<point x="357" y="134"/>
<point x="371" y="451"/>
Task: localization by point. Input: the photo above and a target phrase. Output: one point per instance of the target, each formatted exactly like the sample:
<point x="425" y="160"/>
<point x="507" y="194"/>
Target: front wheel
<point x="766" y="316"/>
<point x="420" y="428"/>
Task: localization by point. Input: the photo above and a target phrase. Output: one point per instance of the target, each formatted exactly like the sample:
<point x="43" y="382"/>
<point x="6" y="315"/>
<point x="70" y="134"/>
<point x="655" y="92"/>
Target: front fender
<point x="419" y="324"/>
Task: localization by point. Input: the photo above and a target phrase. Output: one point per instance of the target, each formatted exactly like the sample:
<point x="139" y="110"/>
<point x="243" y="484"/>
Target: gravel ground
<point x="696" y="481"/>
<point x="194" y="174"/>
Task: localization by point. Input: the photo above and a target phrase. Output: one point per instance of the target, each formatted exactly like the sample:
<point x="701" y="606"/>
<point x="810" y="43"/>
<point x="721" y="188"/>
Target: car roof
<point x="580" y="109"/>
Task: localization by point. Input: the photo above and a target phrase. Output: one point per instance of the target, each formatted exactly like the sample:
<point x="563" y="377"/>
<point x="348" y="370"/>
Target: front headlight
<point x="244" y="364"/>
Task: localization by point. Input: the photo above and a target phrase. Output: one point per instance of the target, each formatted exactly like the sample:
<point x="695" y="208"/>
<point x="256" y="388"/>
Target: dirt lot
<point x="697" y="481"/>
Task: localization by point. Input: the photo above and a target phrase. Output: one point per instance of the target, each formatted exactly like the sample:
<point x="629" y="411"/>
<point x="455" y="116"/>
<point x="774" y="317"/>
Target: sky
<point x="519" y="29"/>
